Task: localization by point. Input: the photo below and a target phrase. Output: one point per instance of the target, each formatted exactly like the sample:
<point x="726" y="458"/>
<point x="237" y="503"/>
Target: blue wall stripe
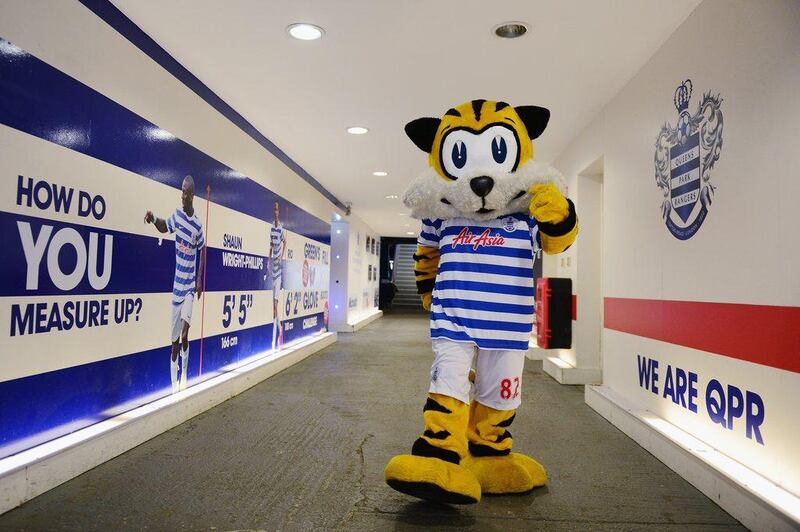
<point x="128" y="29"/>
<point x="42" y="407"/>
<point x="43" y="101"/>
<point x="129" y="273"/>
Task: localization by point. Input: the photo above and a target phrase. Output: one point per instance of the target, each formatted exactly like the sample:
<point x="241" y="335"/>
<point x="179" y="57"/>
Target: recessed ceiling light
<point x="409" y="232"/>
<point x="401" y="214"/>
<point x="511" y="30"/>
<point x="305" y="31"/>
<point x="380" y="174"/>
<point x="391" y="196"/>
<point x="357" y="130"/>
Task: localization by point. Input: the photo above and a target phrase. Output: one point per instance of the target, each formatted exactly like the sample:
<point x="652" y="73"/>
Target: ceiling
<point x="384" y="63"/>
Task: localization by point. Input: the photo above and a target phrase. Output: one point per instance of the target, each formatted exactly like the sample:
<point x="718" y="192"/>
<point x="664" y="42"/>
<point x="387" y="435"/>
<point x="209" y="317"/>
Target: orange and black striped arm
<point x="557" y="237"/>
<point x="426" y="262"/>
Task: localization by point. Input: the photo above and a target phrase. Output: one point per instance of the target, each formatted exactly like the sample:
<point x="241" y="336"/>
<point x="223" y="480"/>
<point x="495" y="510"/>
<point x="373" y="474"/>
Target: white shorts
<point x="181" y="313"/>
<point x="498" y="373"/>
<point x="277" y="284"/>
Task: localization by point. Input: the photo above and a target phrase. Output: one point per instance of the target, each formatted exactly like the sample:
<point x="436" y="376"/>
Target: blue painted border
<point x="115" y="18"/>
<point x="42" y="407"/>
<point x="42" y="101"/>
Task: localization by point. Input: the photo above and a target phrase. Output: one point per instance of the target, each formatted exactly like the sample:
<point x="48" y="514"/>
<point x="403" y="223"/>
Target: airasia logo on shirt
<point x="468" y="238"/>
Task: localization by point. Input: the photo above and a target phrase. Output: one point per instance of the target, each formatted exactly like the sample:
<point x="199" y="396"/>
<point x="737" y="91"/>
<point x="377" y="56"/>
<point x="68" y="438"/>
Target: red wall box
<point x="554" y="309"/>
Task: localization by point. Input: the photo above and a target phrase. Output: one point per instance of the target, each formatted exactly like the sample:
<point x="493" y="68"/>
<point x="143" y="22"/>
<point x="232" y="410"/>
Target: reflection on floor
<point x="305" y="450"/>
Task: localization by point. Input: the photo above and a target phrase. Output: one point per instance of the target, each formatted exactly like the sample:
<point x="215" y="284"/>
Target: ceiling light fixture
<point x="409" y="232"/>
<point x="304" y="31"/>
<point x="391" y="196"/>
<point x="357" y="130"/>
<point x="380" y="174"/>
<point x="511" y="30"/>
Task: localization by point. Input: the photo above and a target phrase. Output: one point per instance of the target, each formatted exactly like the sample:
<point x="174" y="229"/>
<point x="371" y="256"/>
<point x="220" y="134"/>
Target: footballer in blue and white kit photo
<point x="188" y="280"/>
<point x="277" y="247"/>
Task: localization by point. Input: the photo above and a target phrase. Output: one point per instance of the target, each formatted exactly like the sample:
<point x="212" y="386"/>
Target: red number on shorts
<point x="505" y="389"/>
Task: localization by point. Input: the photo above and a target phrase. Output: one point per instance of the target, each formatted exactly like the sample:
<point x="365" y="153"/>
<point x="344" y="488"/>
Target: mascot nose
<point x="481" y="185"/>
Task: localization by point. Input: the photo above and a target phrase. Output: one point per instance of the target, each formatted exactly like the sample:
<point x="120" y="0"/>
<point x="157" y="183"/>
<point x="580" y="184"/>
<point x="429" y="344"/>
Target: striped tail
<point x="426" y="262"/>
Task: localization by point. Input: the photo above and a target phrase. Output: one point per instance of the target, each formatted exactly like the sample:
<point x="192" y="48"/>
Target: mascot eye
<point x="459" y="154"/>
<point x="499" y="149"/>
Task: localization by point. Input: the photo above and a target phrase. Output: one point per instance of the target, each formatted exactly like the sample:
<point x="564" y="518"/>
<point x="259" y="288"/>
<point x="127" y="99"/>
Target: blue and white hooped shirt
<point x="277" y="240"/>
<point x="188" y="240"/>
<point x="484" y="289"/>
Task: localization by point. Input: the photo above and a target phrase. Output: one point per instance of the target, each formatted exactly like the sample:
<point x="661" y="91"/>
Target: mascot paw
<point x="513" y="473"/>
<point x="432" y="479"/>
<point x="548" y="204"/>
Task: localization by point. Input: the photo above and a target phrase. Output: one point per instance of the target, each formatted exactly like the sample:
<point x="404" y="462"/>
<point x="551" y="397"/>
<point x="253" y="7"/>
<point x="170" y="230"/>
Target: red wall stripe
<point x="765" y="335"/>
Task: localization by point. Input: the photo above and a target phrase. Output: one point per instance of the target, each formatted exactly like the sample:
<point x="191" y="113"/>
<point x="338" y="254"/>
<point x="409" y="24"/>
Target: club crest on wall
<point x="684" y="158"/>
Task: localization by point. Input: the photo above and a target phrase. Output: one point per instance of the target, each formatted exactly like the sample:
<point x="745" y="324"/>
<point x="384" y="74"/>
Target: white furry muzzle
<point x="431" y="196"/>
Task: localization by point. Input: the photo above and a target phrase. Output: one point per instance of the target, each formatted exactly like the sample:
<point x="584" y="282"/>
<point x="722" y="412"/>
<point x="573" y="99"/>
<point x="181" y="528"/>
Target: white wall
<point x="74" y="40"/>
<point x="359" y="285"/>
<point x="340" y="252"/>
<point x="589" y="277"/>
<point x="746" y="252"/>
<point x="354" y="291"/>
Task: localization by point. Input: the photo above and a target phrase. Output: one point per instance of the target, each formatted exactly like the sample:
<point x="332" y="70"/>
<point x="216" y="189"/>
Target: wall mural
<point x="135" y="265"/>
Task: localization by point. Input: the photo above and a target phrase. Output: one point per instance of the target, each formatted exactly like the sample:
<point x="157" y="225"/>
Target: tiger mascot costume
<point x="486" y="209"/>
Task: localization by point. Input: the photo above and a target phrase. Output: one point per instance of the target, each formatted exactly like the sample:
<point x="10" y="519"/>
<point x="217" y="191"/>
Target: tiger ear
<point x="534" y="118"/>
<point x="422" y="132"/>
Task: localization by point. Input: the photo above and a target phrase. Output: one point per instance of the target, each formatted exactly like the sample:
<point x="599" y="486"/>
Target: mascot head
<point x="480" y="156"/>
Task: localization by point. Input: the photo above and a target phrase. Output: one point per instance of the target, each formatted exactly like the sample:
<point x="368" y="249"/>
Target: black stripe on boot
<point x="421" y="447"/>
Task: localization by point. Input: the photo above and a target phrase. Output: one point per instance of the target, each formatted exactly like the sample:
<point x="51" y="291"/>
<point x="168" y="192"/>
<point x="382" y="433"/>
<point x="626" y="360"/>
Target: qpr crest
<point x="684" y="158"/>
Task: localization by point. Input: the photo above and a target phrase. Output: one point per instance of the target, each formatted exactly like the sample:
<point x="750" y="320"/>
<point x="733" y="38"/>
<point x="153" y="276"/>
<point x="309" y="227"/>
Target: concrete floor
<point x="305" y="450"/>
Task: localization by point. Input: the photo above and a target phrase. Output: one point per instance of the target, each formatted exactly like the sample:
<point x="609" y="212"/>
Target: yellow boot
<point x="433" y="470"/>
<point x="497" y="469"/>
